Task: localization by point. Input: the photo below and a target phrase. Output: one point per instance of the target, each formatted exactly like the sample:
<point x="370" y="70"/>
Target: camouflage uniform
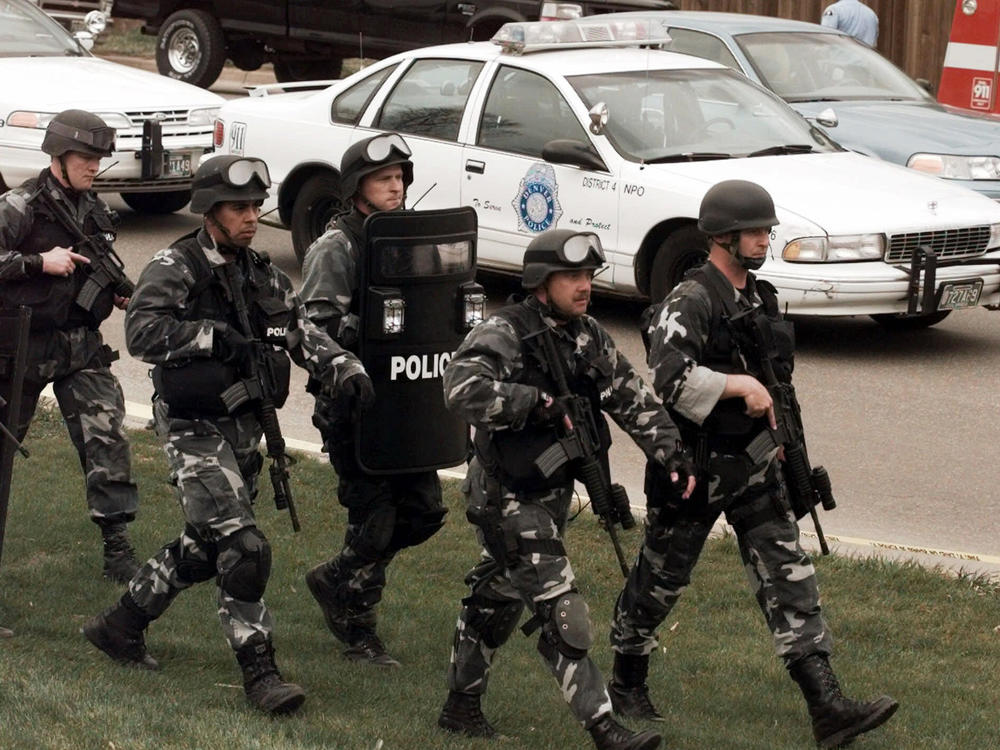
<point x="753" y="498"/>
<point x="214" y="460"/>
<point x="484" y="382"/>
<point x="73" y="356"/>
<point x="385" y="512"/>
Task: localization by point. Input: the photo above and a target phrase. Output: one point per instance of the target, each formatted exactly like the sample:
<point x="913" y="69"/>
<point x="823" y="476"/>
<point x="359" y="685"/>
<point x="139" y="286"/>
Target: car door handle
<point x="479" y="167"/>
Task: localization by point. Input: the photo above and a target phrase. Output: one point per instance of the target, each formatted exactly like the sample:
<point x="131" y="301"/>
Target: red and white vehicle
<point x="969" y="78"/>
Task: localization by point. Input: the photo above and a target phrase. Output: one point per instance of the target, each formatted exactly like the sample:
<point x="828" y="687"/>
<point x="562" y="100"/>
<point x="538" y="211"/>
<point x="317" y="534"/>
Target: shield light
<point x="392" y="315"/>
<point x="473" y="307"/>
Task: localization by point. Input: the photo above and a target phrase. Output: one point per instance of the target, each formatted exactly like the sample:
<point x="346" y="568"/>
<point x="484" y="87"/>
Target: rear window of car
<point x="348" y="106"/>
<point x="429" y="99"/>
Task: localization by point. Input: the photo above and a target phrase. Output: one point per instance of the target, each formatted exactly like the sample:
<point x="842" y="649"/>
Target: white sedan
<point x="624" y="141"/>
<point x="163" y="127"/>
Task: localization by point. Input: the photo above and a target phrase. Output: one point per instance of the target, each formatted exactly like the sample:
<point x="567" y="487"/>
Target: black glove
<point x="548" y="410"/>
<point x="680" y="462"/>
<point x="358" y="388"/>
<point x="230" y="346"/>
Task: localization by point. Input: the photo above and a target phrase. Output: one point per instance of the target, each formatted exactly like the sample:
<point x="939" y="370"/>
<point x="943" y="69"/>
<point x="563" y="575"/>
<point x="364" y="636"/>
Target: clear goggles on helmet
<point x="381" y="146"/>
<point x="240" y="172"/>
<point x="100" y="138"/>
<point x="581" y="247"/>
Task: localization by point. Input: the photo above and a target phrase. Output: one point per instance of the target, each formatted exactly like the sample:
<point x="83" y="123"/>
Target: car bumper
<point x="868" y="288"/>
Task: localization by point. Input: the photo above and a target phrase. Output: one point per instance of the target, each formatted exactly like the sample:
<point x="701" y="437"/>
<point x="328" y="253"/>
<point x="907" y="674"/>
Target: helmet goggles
<point x="580" y="248"/>
<point x="242" y="171"/>
<point x="98" y="139"/>
<point x="381" y="147"/>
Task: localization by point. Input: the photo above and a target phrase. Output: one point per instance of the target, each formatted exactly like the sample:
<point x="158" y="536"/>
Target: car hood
<point x="52" y="84"/>
<point x="846" y="193"/>
<point x="896" y="130"/>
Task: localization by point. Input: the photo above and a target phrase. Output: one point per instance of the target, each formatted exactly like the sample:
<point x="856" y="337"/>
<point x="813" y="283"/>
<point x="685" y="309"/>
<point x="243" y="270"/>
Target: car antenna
<point x="423" y="196"/>
<point x="112" y="164"/>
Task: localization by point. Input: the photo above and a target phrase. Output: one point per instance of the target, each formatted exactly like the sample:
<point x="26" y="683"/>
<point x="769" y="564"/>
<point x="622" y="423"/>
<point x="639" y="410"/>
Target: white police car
<point x="163" y="127"/>
<point x="586" y="125"/>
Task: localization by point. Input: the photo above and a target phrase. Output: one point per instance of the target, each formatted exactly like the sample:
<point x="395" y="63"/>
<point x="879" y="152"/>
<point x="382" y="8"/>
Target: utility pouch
<point x="483" y="511"/>
<point x="194" y="386"/>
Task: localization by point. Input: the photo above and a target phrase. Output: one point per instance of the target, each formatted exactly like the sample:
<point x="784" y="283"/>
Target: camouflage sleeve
<point x="16" y="219"/>
<point x="329" y="279"/>
<point x="308" y="344"/>
<point x="476" y="380"/>
<point x="678" y="336"/>
<point x="631" y="403"/>
<point x="154" y="330"/>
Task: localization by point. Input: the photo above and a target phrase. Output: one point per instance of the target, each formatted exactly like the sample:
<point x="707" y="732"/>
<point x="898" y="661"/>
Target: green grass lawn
<point x="929" y="640"/>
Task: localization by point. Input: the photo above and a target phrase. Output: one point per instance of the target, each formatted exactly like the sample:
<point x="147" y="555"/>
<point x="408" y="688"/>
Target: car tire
<point x="157" y="203"/>
<point x="291" y="70"/>
<point x="315" y="205"/>
<point x="682" y="250"/>
<point x="910" y="322"/>
<point x="191" y="47"/>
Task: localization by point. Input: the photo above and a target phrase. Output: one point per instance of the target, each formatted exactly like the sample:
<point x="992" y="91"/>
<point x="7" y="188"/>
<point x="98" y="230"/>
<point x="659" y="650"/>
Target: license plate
<point x="176" y="165"/>
<point x="956" y="295"/>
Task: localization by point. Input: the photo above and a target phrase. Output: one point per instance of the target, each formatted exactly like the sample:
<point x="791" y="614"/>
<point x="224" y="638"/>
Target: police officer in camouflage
<point x="39" y="269"/>
<point x="183" y="319"/>
<point x="385" y="512"/>
<point x="715" y="394"/>
<point x="500" y="382"/>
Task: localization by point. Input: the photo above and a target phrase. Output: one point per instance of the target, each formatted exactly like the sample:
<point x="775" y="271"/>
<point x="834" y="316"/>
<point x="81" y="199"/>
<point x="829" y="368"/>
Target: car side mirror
<point x="574" y="153"/>
<point x="598" y="118"/>
<point x="926" y="85"/>
<point x="827" y="118"/>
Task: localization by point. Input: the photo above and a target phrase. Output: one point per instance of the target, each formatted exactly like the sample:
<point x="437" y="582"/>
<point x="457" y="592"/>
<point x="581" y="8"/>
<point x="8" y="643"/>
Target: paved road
<point x="906" y="424"/>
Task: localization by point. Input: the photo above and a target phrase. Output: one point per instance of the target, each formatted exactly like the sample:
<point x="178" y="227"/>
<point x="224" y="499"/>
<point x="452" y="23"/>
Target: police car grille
<point x="947" y="244"/>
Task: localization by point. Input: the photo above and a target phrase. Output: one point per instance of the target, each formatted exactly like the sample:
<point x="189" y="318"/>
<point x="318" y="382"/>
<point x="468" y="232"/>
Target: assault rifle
<point x="807" y="486"/>
<point x="106" y="269"/>
<point x="259" y="388"/>
<point x="580" y="442"/>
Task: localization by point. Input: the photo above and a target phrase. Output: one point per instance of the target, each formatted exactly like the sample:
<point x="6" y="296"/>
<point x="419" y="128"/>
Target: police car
<point x="588" y="125"/>
<point x="163" y="127"/>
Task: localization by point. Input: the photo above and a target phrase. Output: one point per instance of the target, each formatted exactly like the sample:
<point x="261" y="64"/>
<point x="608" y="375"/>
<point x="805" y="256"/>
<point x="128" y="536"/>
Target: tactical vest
<point x="728" y="428"/>
<point x="510" y="455"/>
<point x="52" y="299"/>
<point x="193" y="387"/>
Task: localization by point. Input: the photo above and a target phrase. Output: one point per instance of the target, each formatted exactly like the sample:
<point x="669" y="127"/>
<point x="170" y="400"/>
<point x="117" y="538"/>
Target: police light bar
<point x="522" y="38"/>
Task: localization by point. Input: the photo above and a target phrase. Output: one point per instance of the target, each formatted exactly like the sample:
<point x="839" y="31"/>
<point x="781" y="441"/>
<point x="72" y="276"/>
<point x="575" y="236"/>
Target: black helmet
<point x="77" y="130"/>
<point x="228" y="178"/>
<point x="732" y="205"/>
<point x="370" y="155"/>
<point x="560" y="250"/>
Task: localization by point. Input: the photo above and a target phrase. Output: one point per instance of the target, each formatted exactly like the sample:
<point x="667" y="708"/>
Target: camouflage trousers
<point x="779" y="571"/>
<point x="213" y="466"/>
<point x="500" y="594"/>
<point x="90" y="398"/>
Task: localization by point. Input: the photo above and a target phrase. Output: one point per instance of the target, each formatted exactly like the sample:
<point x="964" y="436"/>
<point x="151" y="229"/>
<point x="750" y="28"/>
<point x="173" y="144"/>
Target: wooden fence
<point x="912" y="33"/>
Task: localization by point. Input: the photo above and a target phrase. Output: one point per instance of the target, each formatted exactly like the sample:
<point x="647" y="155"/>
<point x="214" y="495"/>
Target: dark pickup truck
<point x="309" y="39"/>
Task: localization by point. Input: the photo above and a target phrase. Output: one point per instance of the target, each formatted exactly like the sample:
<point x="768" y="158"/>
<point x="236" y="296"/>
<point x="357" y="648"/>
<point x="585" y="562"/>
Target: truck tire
<point x="157" y="203"/>
<point x="191" y="48"/>
<point x="289" y="70"/>
<point x="682" y="250"/>
<point x="910" y="323"/>
<point x="316" y="203"/>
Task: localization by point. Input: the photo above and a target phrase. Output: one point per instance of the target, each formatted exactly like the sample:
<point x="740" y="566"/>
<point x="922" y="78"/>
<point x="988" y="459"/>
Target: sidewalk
<point x="232" y="80"/>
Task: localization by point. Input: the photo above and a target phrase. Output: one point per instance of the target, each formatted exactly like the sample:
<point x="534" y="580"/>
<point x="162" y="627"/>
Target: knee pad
<point x="416" y="529"/>
<point x="566" y="627"/>
<point x="192" y="569"/>
<point x="244" y="564"/>
<point x="492" y="619"/>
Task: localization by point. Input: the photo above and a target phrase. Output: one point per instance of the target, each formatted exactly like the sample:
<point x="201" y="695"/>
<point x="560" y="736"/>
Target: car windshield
<point x="806" y="66"/>
<point x="686" y="115"/>
<point x="25" y="31"/>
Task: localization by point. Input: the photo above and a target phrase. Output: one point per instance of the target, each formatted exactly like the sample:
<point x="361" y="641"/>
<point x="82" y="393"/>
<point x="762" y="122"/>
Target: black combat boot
<point x="628" y="690"/>
<point x="262" y="682"/>
<point x="323" y="584"/>
<point x="119" y="557"/>
<point x="118" y="632"/>
<point x="836" y="719"/>
<point x="368" y="647"/>
<point x="608" y="734"/>
<point x="461" y="714"/>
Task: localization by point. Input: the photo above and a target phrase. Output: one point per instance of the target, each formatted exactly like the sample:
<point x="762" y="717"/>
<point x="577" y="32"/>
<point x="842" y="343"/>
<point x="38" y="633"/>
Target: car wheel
<point x="157" y="203"/>
<point x="317" y="202"/>
<point x="683" y="250"/>
<point x="910" y="322"/>
<point x="191" y="48"/>
<point x="290" y="70"/>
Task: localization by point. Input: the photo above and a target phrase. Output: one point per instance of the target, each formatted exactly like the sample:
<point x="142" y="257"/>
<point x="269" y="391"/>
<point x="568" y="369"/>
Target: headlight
<point x="115" y="120"/>
<point x="957" y="167"/>
<point x="203" y="116"/>
<point x="23" y="119"/>
<point x="835" y="249"/>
